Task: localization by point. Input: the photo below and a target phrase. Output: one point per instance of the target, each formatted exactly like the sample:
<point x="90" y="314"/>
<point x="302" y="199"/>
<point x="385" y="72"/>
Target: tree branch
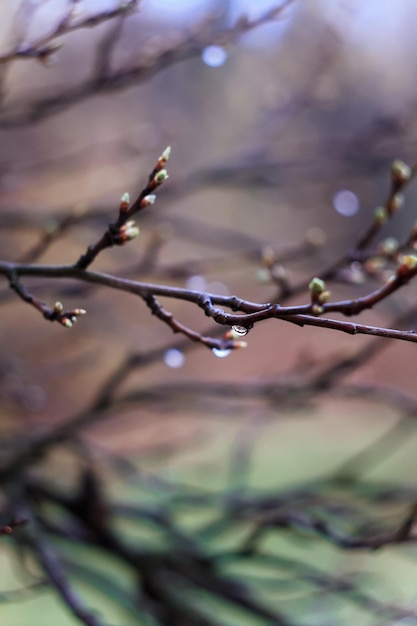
<point x="149" y="65"/>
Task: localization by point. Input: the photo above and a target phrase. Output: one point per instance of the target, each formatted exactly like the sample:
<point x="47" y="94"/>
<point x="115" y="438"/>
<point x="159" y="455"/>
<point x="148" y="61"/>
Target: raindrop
<point x="346" y="203"/>
<point x="214" y="56"/>
<point x="239" y="331"/>
<point x="174" y="358"/>
<point x="221" y="354"/>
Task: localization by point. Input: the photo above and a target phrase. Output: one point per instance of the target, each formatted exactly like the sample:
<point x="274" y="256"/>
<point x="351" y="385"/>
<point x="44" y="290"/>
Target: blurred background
<point x="282" y="141"/>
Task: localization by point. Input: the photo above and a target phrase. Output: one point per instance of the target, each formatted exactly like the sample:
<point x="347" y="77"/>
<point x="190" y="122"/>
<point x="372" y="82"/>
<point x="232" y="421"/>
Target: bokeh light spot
<point x="346" y="203"/>
<point x="196" y="283"/>
<point x="214" y="56"/>
<point x="174" y="358"/>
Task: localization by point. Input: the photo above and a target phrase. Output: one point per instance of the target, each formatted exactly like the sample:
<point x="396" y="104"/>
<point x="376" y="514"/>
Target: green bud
<point x="400" y="172"/>
<point x="317" y="309"/>
<point x="124" y="202"/>
<point x="395" y="203"/>
<point x="317" y="286"/>
<point x="148" y="200"/>
<point x="324" y="297"/>
<point x="166" y="153"/>
<point x="409" y="261"/>
<point x="161" y="177"/>
<point x="131" y="232"/>
<point x="388" y="246"/>
<point x="380" y="215"/>
<point x="406" y="267"/>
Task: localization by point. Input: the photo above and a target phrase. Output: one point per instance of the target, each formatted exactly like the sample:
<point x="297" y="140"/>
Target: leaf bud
<point x="380" y="215"/>
<point x="268" y="256"/>
<point x="164" y="157"/>
<point x="388" y="246"/>
<point x="148" y="200"/>
<point x="407" y="266"/>
<point x="395" y="203"/>
<point x="400" y="173"/>
<point x="160" y="177"/>
<point x="131" y="232"/>
<point x="374" y="265"/>
<point x="408" y="263"/>
<point x="317" y="309"/>
<point x="317" y="286"/>
<point x="324" y="297"/>
<point x="124" y="203"/>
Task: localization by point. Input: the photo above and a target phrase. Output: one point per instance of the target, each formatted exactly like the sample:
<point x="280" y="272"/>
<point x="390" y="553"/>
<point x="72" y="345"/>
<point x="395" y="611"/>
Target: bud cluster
<point x="273" y="270"/>
<point x="66" y="318"/>
<point x="126" y="233"/>
<point x="125" y="229"/>
<point x="319" y="295"/>
<point x="159" y="175"/>
<point x="400" y="175"/>
<point x="407" y="266"/>
<point x="389" y="248"/>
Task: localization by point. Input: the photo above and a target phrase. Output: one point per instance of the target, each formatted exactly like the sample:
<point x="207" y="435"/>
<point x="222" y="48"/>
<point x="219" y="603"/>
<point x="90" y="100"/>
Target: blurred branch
<point x="57" y="577"/>
<point x="185" y="563"/>
<point x="149" y="65"/>
<point x="294" y="392"/>
<point x="301" y="521"/>
<point x="46" y="45"/>
<point x="7" y="529"/>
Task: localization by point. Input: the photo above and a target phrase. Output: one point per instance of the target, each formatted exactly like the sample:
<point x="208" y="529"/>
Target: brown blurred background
<point x="318" y="103"/>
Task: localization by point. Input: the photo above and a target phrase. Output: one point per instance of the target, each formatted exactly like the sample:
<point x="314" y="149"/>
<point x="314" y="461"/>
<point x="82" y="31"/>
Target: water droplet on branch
<point x="221" y="354"/>
<point x="239" y="331"/>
